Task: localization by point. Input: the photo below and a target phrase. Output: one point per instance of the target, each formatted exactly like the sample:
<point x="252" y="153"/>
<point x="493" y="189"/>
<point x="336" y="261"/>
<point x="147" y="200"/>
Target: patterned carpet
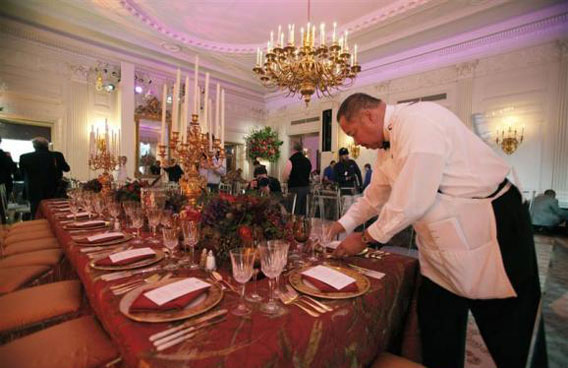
<point x="552" y="257"/>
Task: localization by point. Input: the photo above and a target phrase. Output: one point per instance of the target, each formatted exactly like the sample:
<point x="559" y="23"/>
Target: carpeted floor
<point x="552" y="256"/>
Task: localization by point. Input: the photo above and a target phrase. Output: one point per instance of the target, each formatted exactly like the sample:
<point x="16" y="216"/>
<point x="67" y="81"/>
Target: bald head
<point x="355" y="103"/>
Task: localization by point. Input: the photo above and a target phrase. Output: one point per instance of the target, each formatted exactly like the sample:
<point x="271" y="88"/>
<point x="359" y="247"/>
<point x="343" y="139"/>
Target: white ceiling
<point x="226" y="33"/>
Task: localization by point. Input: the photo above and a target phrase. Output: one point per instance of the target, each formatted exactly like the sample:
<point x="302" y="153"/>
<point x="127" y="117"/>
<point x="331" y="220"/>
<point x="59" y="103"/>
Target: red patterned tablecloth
<point x="350" y="336"/>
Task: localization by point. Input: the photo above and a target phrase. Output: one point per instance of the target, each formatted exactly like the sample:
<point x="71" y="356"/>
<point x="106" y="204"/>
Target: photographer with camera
<point x="263" y="183"/>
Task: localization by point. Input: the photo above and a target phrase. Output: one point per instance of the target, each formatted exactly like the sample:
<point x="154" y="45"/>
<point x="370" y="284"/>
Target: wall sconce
<point x="509" y="139"/>
<point x="107" y="77"/>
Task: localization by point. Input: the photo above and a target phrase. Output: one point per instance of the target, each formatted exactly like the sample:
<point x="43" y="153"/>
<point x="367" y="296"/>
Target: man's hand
<point x="335" y="229"/>
<point x="350" y="246"/>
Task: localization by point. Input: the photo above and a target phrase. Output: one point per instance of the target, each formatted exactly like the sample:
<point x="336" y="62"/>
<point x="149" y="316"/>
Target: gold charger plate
<point x="77" y="240"/>
<point x="363" y="284"/>
<point x="142" y="263"/>
<point x="202" y="304"/>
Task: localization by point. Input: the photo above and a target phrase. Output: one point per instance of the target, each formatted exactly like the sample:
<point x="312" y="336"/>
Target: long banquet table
<point x="350" y="336"/>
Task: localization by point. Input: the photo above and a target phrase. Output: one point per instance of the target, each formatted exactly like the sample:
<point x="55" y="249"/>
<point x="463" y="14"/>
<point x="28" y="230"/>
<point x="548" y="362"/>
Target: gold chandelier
<point x="309" y="67"/>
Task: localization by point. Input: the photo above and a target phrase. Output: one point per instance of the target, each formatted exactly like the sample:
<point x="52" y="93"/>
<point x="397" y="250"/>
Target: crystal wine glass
<point x="137" y="216"/>
<point x="190" y="231"/>
<point x="254" y="296"/>
<point x="273" y="257"/>
<point x="242" y="260"/>
<point x="325" y="240"/>
<point x="114" y="210"/>
<point x="170" y="236"/>
<point x="315" y="235"/>
<point x="154" y="217"/>
<point x="74" y="207"/>
<point x="301" y="231"/>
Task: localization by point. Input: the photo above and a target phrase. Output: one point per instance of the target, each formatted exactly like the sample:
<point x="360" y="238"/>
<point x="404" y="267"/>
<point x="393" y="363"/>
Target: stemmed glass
<point x="254" y="296"/>
<point x="114" y="210"/>
<point x="242" y="260"/>
<point x="273" y="258"/>
<point x="315" y="234"/>
<point x="74" y="207"/>
<point x="301" y="232"/>
<point x="170" y="236"/>
<point x="129" y="206"/>
<point x="88" y="203"/>
<point x="137" y="216"/>
<point x="325" y="240"/>
<point x="98" y="205"/>
<point x="190" y="231"/>
<point x="154" y="218"/>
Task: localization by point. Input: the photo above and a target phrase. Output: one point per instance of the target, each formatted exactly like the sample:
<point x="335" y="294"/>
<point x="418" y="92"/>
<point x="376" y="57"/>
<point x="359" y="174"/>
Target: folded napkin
<point x="190" y="289"/>
<point x="100" y="238"/>
<point x="325" y="280"/>
<point x="86" y="224"/>
<point x="126" y="257"/>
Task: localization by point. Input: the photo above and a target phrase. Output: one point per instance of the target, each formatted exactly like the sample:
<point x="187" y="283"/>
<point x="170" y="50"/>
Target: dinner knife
<point x="206" y="317"/>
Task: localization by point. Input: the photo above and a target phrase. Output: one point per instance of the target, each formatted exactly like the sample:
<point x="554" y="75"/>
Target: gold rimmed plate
<point x="363" y="284"/>
<point x="200" y="305"/>
<point x="142" y="263"/>
<point x="83" y="242"/>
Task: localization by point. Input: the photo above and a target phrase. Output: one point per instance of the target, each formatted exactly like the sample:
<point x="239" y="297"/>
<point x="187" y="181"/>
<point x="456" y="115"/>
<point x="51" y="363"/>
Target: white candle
<point x="293" y="39"/>
<point x="279" y="34"/>
<point x="217" y="107"/>
<point x="355" y="55"/>
<point x="223" y="118"/>
<point x="345" y="45"/>
<point x="210" y="123"/>
<point x="119" y="144"/>
<point x="333" y="37"/>
<point x="322" y="34"/>
<point x="302" y="41"/>
<point x="196" y="86"/>
<point x="205" y="99"/>
<point x="92" y="141"/>
<point x="272" y="38"/>
<point x="175" y="102"/>
<point x="164" y="99"/>
<point x="107" y="140"/>
<point x="185" y="108"/>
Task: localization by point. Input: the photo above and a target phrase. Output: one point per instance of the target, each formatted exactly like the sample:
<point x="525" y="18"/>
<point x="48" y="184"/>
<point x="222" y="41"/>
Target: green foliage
<point x="264" y="143"/>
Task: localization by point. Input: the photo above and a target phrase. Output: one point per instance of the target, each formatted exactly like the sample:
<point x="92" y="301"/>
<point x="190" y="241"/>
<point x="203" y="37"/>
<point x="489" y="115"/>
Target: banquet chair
<point x="225" y="188"/>
<point x="325" y="204"/>
<point x="26" y="310"/>
<point x="79" y="343"/>
<point x="13" y="278"/>
<point x="47" y="257"/>
<point x="388" y="360"/>
<point x="288" y="201"/>
<point x="23" y="236"/>
<point x="12" y="209"/>
<point x="30" y="246"/>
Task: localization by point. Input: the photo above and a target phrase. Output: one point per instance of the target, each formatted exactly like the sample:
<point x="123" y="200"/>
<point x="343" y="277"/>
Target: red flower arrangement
<point x="264" y="144"/>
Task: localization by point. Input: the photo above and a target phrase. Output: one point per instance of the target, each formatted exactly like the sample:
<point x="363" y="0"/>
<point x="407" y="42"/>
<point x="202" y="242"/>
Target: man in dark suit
<point x="61" y="166"/>
<point x="7" y="169"/>
<point x="41" y="171"/>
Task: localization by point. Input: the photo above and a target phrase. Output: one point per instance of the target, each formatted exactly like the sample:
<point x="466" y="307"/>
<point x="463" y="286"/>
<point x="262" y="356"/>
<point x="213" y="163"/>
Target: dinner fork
<point x="288" y="299"/>
<point x="150" y="280"/>
<point x="317" y="305"/>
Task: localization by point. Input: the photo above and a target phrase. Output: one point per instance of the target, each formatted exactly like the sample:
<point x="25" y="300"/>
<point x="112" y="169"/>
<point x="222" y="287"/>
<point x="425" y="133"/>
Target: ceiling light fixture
<point x="308" y="68"/>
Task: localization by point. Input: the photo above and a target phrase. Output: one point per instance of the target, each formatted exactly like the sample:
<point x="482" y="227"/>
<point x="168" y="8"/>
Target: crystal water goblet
<point x="154" y="217"/>
<point x="242" y="261"/>
<point x="137" y="216"/>
<point x="171" y="238"/>
<point x="315" y="235"/>
<point x="273" y="257"/>
<point x="190" y="231"/>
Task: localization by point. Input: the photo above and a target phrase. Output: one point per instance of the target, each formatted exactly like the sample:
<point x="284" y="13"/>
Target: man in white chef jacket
<point x="474" y="237"/>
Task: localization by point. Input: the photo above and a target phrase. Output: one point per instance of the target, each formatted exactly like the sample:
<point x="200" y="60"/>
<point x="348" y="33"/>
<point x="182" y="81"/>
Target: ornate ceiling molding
<point x="370" y="20"/>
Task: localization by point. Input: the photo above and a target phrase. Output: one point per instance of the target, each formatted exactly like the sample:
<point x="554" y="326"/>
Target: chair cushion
<point x="80" y="343"/>
<point x="31" y="246"/>
<point x="35" y="304"/>
<point x="48" y="257"/>
<point x="14" y="277"/>
<point x="388" y="360"/>
<point x="28" y="223"/>
<point x="23" y="229"/>
<point x="28" y="235"/>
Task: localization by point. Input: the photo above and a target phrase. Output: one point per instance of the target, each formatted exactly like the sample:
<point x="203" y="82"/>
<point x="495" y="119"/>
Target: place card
<point x="333" y="278"/>
<point x="172" y="291"/>
<point x="87" y="223"/>
<point x="105" y="236"/>
<point x="121" y="256"/>
<point x="80" y="214"/>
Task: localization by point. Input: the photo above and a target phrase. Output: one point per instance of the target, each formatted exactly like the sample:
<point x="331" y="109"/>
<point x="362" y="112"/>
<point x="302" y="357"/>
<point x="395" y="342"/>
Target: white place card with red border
<point x="121" y="256"/>
<point x="333" y="278"/>
<point x="172" y="291"/>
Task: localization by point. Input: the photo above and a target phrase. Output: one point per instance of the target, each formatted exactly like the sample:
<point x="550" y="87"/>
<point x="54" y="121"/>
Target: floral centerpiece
<point x="264" y="143"/>
<point x="129" y="191"/>
<point x="229" y="222"/>
<point x="93" y="185"/>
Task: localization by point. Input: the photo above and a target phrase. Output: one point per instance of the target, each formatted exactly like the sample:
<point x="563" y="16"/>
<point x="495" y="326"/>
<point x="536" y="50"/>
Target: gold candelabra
<point x="189" y="155"/>
<point x="509" y="140"/>
<point x="103" y="159"/>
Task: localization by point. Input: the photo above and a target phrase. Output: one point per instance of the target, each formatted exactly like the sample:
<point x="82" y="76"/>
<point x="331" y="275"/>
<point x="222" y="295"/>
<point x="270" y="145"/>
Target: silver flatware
<point x="190" y="323"/>
<point x="367" y="272"/>
<point x="170" y="340"/>
<point x="287" y="299"/>
<point x="321" y="305"/>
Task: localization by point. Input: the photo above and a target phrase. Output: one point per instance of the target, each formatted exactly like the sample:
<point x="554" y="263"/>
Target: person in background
<point x="263" y="183"/>
<point x="473" y="232"/>
<point x="7" y="169"/>
<point x="297" y="174"/>
<point x="215" y="171"/>
<point x="546" y="214"/>
<point x="328" y="173"/>
<point x="368" y="174"/>
<point x="347" y="173"/>
<point x="155" y="168"/>
<point x="40" y="173"/>
<point x="174" y="171"/>
<point x="121" y="174"/>
<point x="315" y="177"/>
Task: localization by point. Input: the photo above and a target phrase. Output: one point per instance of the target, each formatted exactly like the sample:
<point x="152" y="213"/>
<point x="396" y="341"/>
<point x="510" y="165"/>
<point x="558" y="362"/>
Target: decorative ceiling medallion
<point x="171" y="47"/>
<point x="391" y="10"/>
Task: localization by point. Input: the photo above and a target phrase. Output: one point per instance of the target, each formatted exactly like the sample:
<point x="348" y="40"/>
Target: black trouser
<point x="213" y="187"/>
<point x="506" y="325"/>
<point x="301" y="195"/>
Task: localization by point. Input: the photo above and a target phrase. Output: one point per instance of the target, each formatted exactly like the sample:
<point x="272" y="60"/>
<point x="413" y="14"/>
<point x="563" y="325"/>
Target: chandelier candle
<point x="205" y="99"/>
<point x="175" y="103"/>
<point x="196" y="87"/>
<point x="185" y="117"/>
<point x="164" y="98"/>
